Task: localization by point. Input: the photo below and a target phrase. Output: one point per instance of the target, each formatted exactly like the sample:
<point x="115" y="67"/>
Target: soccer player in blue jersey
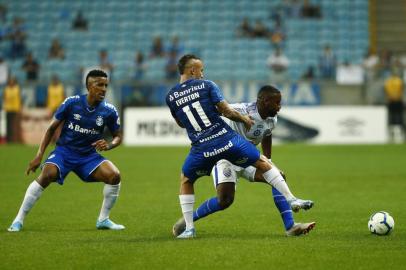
<point x="264" y="113"/>
<point x="83" y="119"/>
<point x="197" y="106"/>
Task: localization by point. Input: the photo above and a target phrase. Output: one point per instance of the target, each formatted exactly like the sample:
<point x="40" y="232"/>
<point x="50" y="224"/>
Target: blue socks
<point x="284" y="208"/>
<point x="208" y="207"/>
<point x="211" y="206"/>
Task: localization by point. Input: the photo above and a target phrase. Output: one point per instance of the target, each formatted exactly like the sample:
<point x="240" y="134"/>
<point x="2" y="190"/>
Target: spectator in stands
<point x="105" y="62"/>
<point x="3" y="13"/>
<point x="394" y="97"/>
<point x="245" y="29"/>
<point x="385" y="62"/>
<point x="80" y="22"/>
<point x="370" y="65"/>
<point x="56" y="50"/>
<point x="278" y="63"/>
<point x="295" y="8"/>
<point x="4" y="71"/>
<point x="309" y="10"/>
<point x="17" y="35"/>
<point x="12" y="106"/>
<point x="260" y="30"/>
<point x="309" y="74"/>
<point x="175" y="47"/>
<point x="278" y="34"/>
<point x="327" y="63"/>
<point x="171" y="67"/>
<point x="31" y="67"/>
<point x="402" y="61"/>
<point x="140" y="66"/>
<point x="55" y="95"/>
<point x="157" y="48"/>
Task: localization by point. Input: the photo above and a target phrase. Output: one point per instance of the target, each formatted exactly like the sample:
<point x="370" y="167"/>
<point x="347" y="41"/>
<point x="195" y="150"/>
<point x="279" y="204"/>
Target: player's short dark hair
<point x="95" y="73"/>
<point x="267" y="90"/>
<point x="184" y="60"/>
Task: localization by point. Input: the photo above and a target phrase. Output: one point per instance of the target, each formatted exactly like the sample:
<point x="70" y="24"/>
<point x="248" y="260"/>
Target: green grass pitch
<point x="347" y="183"/>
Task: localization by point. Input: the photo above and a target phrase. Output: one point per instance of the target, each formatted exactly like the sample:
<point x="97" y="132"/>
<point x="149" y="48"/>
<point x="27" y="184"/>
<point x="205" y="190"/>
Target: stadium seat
<point x="129" y="26"/>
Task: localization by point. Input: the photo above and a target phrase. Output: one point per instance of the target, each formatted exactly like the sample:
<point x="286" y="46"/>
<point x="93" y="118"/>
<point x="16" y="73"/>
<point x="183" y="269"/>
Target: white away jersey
<point x="261" y="127"/>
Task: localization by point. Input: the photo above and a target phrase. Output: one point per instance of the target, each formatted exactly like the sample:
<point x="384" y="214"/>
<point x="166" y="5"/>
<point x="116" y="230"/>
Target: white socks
<point x="110" y="193"/>
<point x="32" y="194"/>
<point x="274" y="178"/>
<point x="186" y="203"/>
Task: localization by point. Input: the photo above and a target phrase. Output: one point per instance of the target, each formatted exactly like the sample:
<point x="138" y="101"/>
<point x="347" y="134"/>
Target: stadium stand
<point x="207" y="28"/>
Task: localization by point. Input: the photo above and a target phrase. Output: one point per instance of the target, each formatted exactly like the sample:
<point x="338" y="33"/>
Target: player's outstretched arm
<point x="227" y="111"/>
<point x="34" y="164"/>
<point x="103" y="145"/>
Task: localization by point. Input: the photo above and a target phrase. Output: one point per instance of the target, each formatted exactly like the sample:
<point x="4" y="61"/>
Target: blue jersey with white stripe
<point x="83" y="124"/>
<point x="193" y="103"/>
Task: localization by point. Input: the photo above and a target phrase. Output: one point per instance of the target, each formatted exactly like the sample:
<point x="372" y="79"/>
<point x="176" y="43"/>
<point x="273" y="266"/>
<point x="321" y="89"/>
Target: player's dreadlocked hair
<point x="184" y="60"/>
<point x="95" y="73"/>
<point x="267" y="89"/>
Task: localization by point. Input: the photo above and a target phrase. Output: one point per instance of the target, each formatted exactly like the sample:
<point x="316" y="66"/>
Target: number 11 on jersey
<point x="196" y="105"/>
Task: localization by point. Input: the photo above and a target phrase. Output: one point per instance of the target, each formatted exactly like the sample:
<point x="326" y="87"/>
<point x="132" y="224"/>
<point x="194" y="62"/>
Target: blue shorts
<point x="237" y="150"/>
<point x="67" y="160"/>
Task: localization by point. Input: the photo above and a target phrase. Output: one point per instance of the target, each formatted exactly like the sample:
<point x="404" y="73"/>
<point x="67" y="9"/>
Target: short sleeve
<point x="169" y="98"/>
<point x="239" y="107"/>
<point x="113" y="122"/>
<point x="63" y="110"/>
<point x="215" y="94"/>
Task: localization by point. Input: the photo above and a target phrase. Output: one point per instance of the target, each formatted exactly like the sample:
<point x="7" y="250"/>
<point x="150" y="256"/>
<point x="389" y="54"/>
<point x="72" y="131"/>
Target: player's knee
<point x="47" y="176"/>
<point x="114" y="177"/>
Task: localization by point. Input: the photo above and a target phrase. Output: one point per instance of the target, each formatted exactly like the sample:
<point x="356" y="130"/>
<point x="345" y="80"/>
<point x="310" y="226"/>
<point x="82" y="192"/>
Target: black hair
<point x="184" y="60"/>
<point x="95" y="73"/>
<point x="267" y="89"/>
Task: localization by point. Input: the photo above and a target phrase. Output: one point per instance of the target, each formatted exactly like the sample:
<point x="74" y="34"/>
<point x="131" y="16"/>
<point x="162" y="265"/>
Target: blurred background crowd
<point x="353" y="50"/>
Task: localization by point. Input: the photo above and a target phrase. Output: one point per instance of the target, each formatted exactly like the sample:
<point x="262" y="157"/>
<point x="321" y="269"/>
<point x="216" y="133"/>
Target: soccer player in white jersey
<point x="264" y="113"/>
<point x="83" y="119"/>
<point x="196" y="105"/>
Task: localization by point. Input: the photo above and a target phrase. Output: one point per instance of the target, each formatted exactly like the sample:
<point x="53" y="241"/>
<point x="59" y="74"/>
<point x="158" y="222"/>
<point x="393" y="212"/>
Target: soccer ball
<point x="381" y="223"/>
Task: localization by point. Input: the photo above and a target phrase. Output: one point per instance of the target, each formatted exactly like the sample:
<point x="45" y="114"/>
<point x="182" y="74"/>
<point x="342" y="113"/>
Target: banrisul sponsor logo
<point x="79" y="129"/>
<point x="218" y="151"/>
<point x="179" y="94"/>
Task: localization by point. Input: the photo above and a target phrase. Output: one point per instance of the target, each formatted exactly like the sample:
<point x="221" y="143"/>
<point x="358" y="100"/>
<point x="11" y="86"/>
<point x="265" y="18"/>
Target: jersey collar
<point x="87" y="106"/>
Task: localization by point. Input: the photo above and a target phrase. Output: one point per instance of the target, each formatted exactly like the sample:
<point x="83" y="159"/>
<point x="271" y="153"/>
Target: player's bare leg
<point x="108" y="173"/>
<point x="34" y="191"/>
<point x="224" y="178"/>
<point x="292" y="228"/>
<point x="272" y="176"/>
<point x="225" y="197"/>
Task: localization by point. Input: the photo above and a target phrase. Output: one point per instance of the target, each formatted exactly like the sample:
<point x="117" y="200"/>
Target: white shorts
<point x="225" y="172"/>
